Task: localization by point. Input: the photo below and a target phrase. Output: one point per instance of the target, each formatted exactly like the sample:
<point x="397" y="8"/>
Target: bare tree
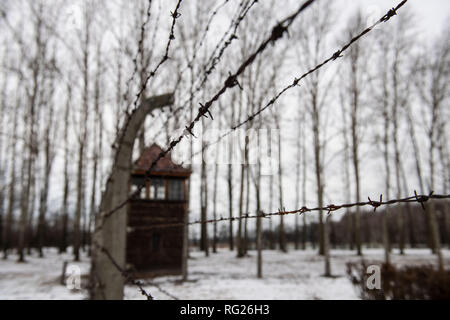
<point x="281" y="232"/>
<point x="97" y="139"/>
<point x="312" y="43"/>
<point x="49" y="155"/>
<point x="3" y="106"/>
<point x="85" y="40"/>
<point x="304" y="167"/>
<point x="64" y="208"/>
<point x="357" y="73"/>
<point x="36" y="65"/>
<point x="9" y="221"/>
<point x="400" y="95"/>
<point x="432" y="86"/>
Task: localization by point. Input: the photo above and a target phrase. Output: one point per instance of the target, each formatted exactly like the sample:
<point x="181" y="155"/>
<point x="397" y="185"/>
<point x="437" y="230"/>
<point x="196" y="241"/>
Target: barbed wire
<point x="140" y="47"/>
<point x="130" y="277"/>
<point x="157" y="286"/>
<point x="203" y="38"/>
<point x="126" y="274"/>
<point x="175" y="15"/>
<point x="204" y="111"/>
<point x="421" y="199"/>
<point x="277" y="33"/>
<point x="333" y="57"/>
<point x="212" y="61"/>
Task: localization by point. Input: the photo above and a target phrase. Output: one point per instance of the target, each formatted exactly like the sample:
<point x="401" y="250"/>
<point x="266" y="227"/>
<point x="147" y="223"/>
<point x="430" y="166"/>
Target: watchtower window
<point x="176" y="189"/>
<point x="157" y="189"/>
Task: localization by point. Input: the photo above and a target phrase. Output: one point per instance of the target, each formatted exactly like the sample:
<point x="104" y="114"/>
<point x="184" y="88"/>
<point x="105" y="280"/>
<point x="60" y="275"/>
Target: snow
<point x="295" y="275"/>
<point x="38" y="278"/>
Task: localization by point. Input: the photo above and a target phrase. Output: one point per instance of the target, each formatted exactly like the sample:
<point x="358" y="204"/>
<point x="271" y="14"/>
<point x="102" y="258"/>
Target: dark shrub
<point x="422" y="282"/>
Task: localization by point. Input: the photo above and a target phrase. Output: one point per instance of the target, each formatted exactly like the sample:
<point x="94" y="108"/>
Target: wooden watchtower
<point x="150" y="250"/>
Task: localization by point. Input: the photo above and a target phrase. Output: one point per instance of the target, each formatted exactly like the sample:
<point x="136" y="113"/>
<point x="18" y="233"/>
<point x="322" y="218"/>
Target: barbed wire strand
<point x="203" y="38"/>
<point x="277" y="32"/>
<point x="230" y="82"/>
<point x="129" y="276"/>
<point x="157" y="286"/>
<point x="140" y="47"/>
<point x="296" y="81"/>
<point x="421" y="199"/>
<point x="212" y="61"/>
<point x="175" y="15"/>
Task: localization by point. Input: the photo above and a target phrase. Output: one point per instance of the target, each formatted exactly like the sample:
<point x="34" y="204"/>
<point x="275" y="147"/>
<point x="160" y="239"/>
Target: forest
<point x="260" y="132"/>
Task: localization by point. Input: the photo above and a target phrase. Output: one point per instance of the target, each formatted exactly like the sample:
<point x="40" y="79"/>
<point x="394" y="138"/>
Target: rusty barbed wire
<point x="127" y="275"/>
<point x="203" y="38"/>
<point x="231" y="81"/>
<point x="212" y="61"/>
<point x="157" y="286"/>
<point x="204" y="111"/>
<point x="175" y="15"/>
<point x="140" y="47"/>
<point x="421" y="199"/>
<point x="337" y="54"/>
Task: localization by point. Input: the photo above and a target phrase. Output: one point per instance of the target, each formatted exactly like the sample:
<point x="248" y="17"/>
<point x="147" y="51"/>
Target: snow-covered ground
<point x="295" y="275"/>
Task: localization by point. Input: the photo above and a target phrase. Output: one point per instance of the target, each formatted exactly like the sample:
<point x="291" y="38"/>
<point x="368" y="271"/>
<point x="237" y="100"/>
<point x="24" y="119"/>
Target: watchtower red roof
<point x="164" y="166"/>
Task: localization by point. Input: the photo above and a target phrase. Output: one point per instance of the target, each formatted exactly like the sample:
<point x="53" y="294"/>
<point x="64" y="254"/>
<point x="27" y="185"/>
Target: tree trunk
<point x="29" y="236"/>
<point x="2" y="163"/>
<point x="271" y="235"/>
<point x="304" y="164"/>
<point x="28" y="168"/>
<point x="431" y="207"/>
<point x="230" y="188"/>
<point x="214" y="242"/>
<point x="44" y="193"/>
<point x="282" y="235"/>
<point x="297" y="189"/>
<point x="204" y="245"/>
<point x="355" y="149"/>
<point x="230" y="207"/>
<point x="318" y="172"/>
<point x="65" y="214"/>
<point x="400" y="214"/>
<point x="7" y="241"/>
<point x="327" y="247"/>
<point x="216" y="173"/>
<point x="49" y="156"/>
<point x="77" y="232"/>
<point x="247" y="202"/>
<point x="258" y="220"/>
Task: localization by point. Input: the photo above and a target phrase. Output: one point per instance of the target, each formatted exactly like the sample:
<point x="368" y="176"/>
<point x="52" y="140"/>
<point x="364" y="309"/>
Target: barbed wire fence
<point x="214" y="58"/>
<point x="129" y="275"/>
<point x="204" y="111"/>
<point x="337" y="54"/>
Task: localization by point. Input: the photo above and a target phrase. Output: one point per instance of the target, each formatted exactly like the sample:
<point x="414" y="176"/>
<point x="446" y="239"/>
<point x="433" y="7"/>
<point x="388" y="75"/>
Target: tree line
<point x="70" y="74"/>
